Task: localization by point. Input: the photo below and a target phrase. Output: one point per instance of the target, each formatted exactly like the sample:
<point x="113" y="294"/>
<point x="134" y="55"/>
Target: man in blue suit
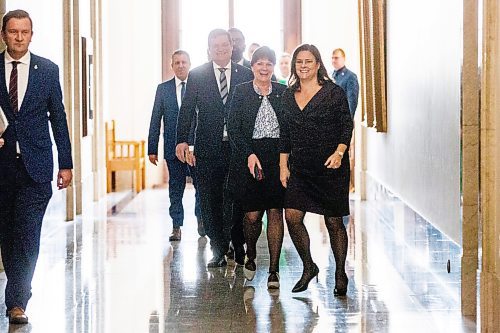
<point x="208" y="94"/>
<point x="31" y="98"/>
<point x="346" y="79"/>
<point x="168" y="100"/>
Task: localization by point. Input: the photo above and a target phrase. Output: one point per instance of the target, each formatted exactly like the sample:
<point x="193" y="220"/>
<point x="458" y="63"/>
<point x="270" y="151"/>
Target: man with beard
<point x="238" y="47"/>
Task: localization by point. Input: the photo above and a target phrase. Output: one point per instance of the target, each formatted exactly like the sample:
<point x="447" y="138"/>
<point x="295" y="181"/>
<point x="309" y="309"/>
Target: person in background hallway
<point x="251" y="48"/>
<point x="168" y="100"/>
<point x="254" y="132"/>
<point x="31" y="98"/>
<point x="236" y="213"/>
<point x="238" y="47"/>
<point x="208" y="92"/>
<point x="284" y="64"/>
<point x="348" y="81"/>
<point x="314" y="160"/>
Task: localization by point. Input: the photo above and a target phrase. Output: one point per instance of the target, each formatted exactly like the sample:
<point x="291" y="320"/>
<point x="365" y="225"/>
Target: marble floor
<point x="113" y="270"/>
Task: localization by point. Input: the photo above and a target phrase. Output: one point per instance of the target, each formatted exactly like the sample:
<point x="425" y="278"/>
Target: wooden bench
<point x="124" y="156"/>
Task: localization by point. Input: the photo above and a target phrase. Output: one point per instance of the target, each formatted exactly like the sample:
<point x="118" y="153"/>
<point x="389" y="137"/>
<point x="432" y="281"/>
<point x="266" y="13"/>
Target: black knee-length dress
<point x="310" y="136"/>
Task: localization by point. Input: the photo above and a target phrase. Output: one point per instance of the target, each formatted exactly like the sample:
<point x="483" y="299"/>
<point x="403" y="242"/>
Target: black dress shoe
<point x="307" y="276"/>
<point x="216" y="262"/>
<point x="239" y="255"/>
<point x="201" y="228"/>
<point x="17" y="316"/>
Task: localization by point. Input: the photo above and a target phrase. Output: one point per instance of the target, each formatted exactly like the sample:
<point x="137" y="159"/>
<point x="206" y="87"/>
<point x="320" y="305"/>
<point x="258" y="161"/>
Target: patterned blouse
<point x="266" y="124"/>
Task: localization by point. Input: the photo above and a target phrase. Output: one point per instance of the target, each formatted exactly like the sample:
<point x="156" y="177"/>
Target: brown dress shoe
<point x="17" y="316"/>
<point x="176" y="235"/>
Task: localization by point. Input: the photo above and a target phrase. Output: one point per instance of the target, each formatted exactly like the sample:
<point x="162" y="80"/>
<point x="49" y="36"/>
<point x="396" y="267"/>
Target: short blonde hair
<point x="339" y="51"/>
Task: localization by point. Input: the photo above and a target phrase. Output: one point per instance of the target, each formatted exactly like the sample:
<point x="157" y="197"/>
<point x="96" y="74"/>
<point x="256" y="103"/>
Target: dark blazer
<point x="246" y="63"/>
<point x="242" y="115"/>
<point x="348" y="81"/>
<point x="165" y="107"/>
<point x="42" y="104"/>
<point x="203" y="96"/>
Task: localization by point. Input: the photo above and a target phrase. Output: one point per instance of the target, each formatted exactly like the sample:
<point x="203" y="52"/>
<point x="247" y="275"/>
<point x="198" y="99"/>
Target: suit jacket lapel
<point x="172" y="93"/>
<point x="212" y="84"/>
<point x="4" y="93"/>
<point x="33" y="76"/>
<point x="234" y="77"/>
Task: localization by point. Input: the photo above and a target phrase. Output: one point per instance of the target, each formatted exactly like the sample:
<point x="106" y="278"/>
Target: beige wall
<point x="337" y="20"/>
<point x="419" y="157"/>
<point x="132" y="70"/>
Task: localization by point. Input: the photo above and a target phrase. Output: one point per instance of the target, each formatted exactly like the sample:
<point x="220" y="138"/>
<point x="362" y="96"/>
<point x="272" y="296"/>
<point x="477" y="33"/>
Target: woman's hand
<point x="284" y="175"/>
<point x="334" y="161"/>
<point x="252" y="161"/>
<point x="2" y="142"/>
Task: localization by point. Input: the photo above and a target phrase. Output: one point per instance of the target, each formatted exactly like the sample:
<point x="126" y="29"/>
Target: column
<point x="292" y="24"/>
<point x="470" y="158"/>
<point x="490" y="168"/>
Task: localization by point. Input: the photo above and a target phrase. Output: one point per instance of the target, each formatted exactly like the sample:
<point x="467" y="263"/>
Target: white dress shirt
<point x="218" y="73"/>
<point x="23" y="70"/>
<point x="178" y="88"/>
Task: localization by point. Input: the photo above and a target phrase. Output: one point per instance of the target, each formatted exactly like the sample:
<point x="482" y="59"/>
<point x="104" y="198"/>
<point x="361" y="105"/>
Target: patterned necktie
<point x="13" y="87"/>
<point x="183" y="90"/>
<point x="223" y="85"/>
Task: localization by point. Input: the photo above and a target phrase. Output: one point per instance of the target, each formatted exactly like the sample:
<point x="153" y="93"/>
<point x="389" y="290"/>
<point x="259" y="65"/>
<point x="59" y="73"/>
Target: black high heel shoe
<point x="341" y="291"/>
<point x="304" y="282"/>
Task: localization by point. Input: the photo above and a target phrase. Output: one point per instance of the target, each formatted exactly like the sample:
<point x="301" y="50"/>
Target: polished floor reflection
<point x="114" y="271"/>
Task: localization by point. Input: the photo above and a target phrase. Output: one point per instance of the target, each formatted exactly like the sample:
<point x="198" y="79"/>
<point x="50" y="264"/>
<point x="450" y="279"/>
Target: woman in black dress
<point x="254" y="131"/>
<point x="314" y="160"/>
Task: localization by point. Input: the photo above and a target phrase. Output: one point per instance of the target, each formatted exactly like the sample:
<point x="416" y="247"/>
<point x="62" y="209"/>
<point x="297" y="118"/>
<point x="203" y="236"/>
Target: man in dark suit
<point x="208" y="93"/>
<point x="238" y="47"/>
<point x="346" y="79"/>
<point x="31" y="98"/>
<point x="168" y="100"/>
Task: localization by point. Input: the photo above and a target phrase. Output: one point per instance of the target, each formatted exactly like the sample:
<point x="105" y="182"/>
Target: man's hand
<point x="153" y="159"/>
<point x="180" y="151"/>
<point x="64" y="177"/>
<point x="2" y="142"/>
<point x="190" y="158"/>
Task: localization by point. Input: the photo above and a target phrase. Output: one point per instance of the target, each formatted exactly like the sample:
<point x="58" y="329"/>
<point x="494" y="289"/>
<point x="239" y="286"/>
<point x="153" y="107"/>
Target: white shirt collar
<point x="178" y="81"/>
<point x="25" y="59"/>
<point x="227" y="67"/>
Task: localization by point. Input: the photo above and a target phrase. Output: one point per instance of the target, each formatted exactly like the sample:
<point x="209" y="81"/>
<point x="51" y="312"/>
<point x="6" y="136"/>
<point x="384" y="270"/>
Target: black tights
<point x="253" y="228"/>
<point x="300" y="237"/>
